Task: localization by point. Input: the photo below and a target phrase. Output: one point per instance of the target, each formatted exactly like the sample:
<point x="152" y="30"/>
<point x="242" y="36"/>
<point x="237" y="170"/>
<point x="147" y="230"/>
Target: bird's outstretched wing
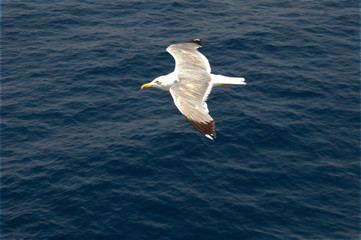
<point x="193" y="87"/>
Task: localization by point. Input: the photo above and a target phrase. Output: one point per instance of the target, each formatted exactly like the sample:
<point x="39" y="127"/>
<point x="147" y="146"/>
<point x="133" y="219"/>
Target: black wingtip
<point x="197" y="41"/>
<point x="205" y="128"/>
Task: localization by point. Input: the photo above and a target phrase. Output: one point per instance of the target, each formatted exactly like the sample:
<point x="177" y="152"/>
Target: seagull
<point x="190" y="84"/>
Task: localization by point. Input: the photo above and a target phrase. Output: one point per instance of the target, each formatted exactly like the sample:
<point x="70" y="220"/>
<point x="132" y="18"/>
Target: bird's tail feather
<point x="219" y="80"/>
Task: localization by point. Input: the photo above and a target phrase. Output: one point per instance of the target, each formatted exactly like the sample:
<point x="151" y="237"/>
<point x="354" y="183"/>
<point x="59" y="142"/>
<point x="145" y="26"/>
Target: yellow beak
<point x="147" y="85"/>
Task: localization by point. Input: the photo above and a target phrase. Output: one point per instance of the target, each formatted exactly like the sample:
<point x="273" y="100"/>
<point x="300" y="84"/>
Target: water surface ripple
<point x="86" y="155"/>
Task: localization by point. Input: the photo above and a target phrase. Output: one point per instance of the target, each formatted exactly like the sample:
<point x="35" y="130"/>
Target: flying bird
<point x="190" y="84"/>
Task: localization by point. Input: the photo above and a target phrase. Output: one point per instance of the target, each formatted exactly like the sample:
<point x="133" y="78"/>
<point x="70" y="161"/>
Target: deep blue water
<point x="85" y="154"/>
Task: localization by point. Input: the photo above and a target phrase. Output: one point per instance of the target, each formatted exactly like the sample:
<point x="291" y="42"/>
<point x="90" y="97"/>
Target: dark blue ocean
<point x="86" y="154"/>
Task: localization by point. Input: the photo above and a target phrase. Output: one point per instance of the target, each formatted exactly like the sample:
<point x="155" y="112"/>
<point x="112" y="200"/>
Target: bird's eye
<point x="157" y="81"/>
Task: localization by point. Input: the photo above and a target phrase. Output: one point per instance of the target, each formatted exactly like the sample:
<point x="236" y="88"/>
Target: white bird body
<point x="169" y="80"/>
<point x="190" y="84"/>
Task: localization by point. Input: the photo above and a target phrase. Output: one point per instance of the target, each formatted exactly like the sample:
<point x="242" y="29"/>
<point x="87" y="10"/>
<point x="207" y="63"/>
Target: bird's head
<point x="162" y="82"/>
